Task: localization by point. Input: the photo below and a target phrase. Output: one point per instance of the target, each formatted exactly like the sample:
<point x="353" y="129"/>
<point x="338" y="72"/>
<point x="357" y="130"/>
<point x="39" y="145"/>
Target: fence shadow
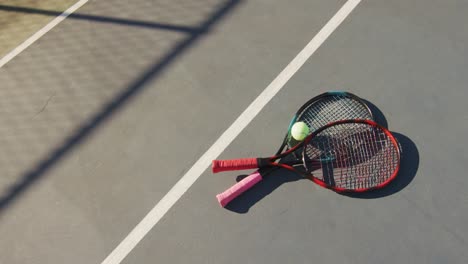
<point x="194" y="34"/>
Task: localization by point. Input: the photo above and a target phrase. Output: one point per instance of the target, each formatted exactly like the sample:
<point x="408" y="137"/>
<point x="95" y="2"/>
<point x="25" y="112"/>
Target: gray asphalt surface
<point x="103" y="116"/>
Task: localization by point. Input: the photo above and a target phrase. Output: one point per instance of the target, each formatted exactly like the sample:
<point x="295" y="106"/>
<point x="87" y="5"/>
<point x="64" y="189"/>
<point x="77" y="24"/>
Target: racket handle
<point x="237" y="189"/>
<point x="236" y="164"/>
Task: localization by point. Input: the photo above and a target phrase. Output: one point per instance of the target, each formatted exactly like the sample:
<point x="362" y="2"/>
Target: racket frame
<point x="225" y="197"/>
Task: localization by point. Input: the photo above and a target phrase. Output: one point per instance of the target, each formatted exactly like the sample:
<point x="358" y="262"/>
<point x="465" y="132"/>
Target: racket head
<point x="351" y="156"/>
<point x="326" y="108"/>
<point x="317" y="112"/>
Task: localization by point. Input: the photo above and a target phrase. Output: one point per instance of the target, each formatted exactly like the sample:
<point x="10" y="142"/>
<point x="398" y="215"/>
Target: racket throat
<point x="263" y="162"/>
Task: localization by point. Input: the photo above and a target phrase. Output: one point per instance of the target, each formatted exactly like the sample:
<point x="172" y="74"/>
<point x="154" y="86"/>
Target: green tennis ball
<point x="299" y="131"/>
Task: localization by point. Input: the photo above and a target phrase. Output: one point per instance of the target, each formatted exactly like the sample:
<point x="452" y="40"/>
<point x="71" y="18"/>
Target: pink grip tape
<point x="225" y="197"/>
<point x="237" y="164"/>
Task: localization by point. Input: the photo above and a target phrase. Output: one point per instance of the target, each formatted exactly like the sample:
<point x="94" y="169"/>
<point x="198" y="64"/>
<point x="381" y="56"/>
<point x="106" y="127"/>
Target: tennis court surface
<point x="112" y="111"/>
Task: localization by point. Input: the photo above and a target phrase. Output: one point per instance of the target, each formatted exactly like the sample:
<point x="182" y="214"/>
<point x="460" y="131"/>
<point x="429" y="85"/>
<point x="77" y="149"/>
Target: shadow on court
<point x="408" y="168"/>
<point x="378" y="115"/>
<point x="269" y="184"/>
<point x="193" y="35"/>
<point x="103" y="19"/>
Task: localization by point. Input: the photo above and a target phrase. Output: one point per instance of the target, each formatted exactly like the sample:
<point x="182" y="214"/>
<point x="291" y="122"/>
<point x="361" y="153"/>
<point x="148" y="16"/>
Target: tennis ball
<point x="299" y="131"/>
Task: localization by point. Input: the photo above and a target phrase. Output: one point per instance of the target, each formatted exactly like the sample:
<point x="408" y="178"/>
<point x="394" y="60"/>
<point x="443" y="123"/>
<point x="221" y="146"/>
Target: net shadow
<point x="116" y="101"/>
<point x="103" y="19"/>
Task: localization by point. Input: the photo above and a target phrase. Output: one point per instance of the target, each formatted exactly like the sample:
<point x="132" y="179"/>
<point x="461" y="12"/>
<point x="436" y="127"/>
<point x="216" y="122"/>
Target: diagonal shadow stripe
<point x="39" y="170"/>
<point x="102" y="19"/>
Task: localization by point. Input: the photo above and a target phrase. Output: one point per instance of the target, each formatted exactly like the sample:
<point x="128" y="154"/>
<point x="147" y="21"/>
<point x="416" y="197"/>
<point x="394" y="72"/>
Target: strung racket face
<point x="351" y="155"/>
<point x="317" y="112"/>
<point x="329" y="107"/>
<point x="347" y="155"/>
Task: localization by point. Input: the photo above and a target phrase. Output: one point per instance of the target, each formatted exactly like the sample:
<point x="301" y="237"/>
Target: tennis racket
<point x="317" y="112"/>
<point x="345" y="156"/>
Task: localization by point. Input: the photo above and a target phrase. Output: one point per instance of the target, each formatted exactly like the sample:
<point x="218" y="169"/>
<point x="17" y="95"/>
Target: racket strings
<point x="369" y="157"/>
<point x="351" y="156"/>
<point x="331" y="109"/>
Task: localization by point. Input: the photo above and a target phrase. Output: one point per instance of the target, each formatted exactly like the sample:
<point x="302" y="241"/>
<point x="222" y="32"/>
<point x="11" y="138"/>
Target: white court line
<point x="161" y="208"/>
<point x="12" y="54"/>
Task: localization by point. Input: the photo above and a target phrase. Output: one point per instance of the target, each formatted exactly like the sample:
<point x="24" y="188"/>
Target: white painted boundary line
<point x="161" y="208"/>
<point x="12" y="54"/>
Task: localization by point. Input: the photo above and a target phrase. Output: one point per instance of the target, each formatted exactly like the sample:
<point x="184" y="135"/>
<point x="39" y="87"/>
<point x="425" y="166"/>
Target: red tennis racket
<point x="320" y="110"/>
<point x="345" y="156"/>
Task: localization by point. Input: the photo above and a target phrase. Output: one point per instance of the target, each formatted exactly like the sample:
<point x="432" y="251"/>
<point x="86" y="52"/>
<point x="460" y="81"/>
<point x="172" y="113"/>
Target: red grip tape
<point x="237" y="164"/>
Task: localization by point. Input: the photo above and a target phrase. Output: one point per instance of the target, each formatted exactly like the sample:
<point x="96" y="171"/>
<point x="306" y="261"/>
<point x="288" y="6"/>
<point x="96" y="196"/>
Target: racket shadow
<point x="408" y="168"/>
<point x="378" y="115"/>
<point x="244" y="202"/>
